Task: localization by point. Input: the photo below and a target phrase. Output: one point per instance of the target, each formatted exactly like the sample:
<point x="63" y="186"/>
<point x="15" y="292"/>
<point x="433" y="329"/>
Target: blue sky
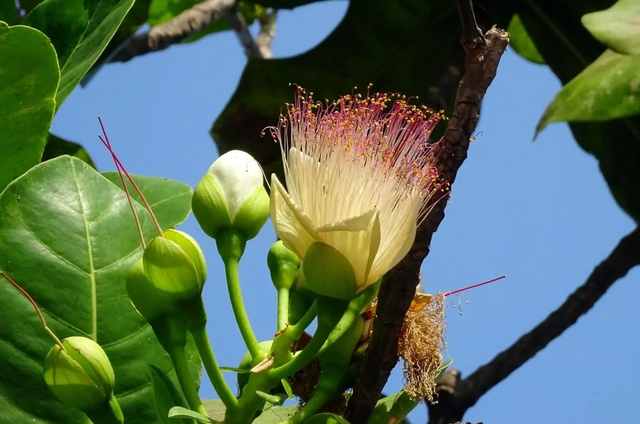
<point x="539" y="212"/>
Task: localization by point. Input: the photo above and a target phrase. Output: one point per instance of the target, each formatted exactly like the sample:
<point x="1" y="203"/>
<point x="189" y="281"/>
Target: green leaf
<point x="235" y="370"/>
<point x="402" y="52"/>
<point x="166" y="396"/>
<point x="276" y="415"/>
<point x="136" y="17"/>
<point x="522" y="43"/>
<point x="287" y="388"/>
<point x="215" y="409"/>
<point x="278" y="399"/>
<point x="393" y="408"/>
<point x="80" y="30"/>
<point x="57" y="146"/>
<point x="29" y="77"/>
<point x="178" y="412"/>
<point x="169" y="200"/>
<point x="618" y="27"/>
<point x="8" y="12"/>
<point x="326" y="418"/>
<point x="67" y="236"/>
<point x="607" y="89"/>
<point x="555" y="27"/>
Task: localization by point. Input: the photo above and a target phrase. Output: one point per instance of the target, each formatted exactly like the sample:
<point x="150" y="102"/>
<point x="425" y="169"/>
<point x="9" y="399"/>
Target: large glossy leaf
<point x="618" y="27"/>
<point x="57" y="146"/>
<point x="556" y="29"/>
<point x="169" y="200"/>
<point x="67" y="236"/>
<point x="80" y="30"/>
<point x="397" y="46"/>
<point x="29" y="77"/>
<point x="607" y="89"/>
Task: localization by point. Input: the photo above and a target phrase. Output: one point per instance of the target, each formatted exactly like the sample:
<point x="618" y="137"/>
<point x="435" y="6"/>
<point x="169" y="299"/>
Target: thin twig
<point x="177" y="29"/>
<point x="267" y="32"/>
<point x="251" y="48"/>
<point x="470" y="29"/>
<point x="399" y="285"/>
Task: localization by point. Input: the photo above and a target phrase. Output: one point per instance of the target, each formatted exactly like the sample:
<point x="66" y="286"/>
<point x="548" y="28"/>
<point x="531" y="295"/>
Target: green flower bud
<point x="232" y="196"/>
<point x="81" y="376"/>
<point x="329" y="273"/>
<point x="174" y="263"/>
<point x="283" y="264"/>
<point x="149" y="301"/>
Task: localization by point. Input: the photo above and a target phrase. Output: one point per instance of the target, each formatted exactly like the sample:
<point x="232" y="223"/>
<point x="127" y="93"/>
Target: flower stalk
<point x="231" y="247"/>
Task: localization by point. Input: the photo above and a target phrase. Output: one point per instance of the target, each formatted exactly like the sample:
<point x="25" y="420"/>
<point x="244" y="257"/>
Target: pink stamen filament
<point x="121" y="169"/>
<point x="474" y="286"/>
<point x="35" y="306"/>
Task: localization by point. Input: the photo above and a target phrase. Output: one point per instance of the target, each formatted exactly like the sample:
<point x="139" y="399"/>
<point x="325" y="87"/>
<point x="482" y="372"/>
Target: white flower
<point x="359" y="175"/>
<point x="238" y="175"/>
<point x="232" y="196"/>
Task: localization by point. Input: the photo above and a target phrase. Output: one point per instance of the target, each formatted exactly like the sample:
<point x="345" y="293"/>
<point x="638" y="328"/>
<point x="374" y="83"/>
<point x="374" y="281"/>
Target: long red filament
<point x="37" y="309"/>
<point x="121" y="169"/>
<point x="474" y="286"/>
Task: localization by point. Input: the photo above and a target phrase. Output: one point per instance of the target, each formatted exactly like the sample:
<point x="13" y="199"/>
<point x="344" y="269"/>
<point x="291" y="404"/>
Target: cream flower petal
<point x="238" y="174"/>
<point x="394" y="246"/>
<point x="358" y="239"/>
<point x="292" y="225"/>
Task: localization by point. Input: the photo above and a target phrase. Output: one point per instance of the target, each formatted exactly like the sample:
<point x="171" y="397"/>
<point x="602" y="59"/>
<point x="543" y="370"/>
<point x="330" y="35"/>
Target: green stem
<point x="343" y="326"/>
<point x="303" y="357"/>
<point x="330" y="311"/>
<point x="211" y="365"/>
<point x="239" y="311"/>
<point x="283" y="308"/>
<point x="108" y="413"/>
<point x="186" y="382"/>
<point x="354" y="310"/>
<point x="295" y="331"/>
<point x="327" y="388"/>
<point x="249" y="402"/>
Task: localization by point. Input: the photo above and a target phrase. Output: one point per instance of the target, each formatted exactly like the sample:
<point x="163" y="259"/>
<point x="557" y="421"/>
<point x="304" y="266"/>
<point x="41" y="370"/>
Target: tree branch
<point x="470" y="29"/>
<point x="177" y="29"/>
<point x="251" y="48"/>
<point x="482" y="55"/>
<point x="620" y="261"/>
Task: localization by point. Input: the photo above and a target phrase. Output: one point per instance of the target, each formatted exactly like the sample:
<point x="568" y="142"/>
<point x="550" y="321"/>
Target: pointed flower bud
<point x="283" y="265"/>
<point x="82" y="375"/>
<point x="232" y="196"/>
<point x="360" y="174"/>
<point x="174" y="264"/>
